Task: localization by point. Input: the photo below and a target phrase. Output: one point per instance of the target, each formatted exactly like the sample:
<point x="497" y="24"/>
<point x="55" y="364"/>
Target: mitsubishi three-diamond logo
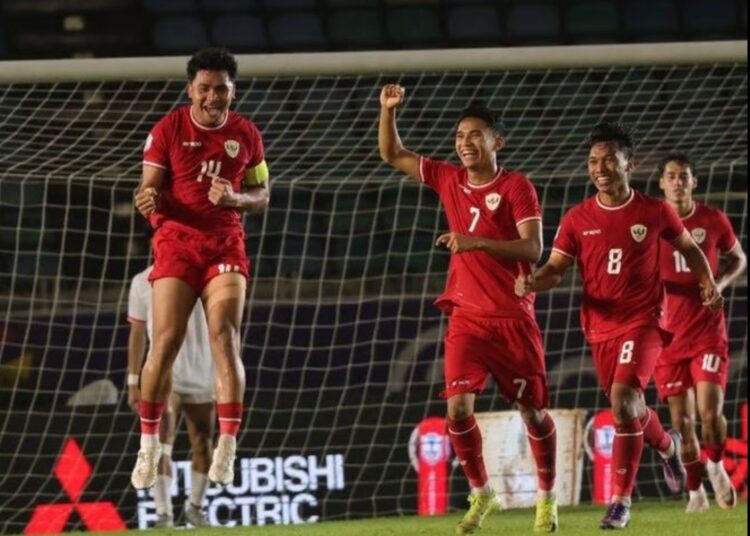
<point x="73" y="471"/>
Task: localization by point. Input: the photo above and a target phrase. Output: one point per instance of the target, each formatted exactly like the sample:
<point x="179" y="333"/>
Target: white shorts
<point x="195" y="398"/>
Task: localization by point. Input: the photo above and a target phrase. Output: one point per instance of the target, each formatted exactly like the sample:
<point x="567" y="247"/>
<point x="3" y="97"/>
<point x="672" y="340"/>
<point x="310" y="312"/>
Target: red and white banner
<point x="601" y="431"/>
<point x="430" y="453"/>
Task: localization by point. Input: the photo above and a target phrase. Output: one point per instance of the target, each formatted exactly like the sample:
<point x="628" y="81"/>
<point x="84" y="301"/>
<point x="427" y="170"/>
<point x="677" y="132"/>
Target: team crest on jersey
<point x="638" y="232"/>
<point x="492" y="200"/>
<point x="699" y="235"/>
<point x="232" y="147"/>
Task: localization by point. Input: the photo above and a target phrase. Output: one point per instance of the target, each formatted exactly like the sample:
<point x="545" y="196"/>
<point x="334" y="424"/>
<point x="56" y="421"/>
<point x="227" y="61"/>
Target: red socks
<point x="467" y="444"/>
<point x="230" y="417"/>
<point x="715" y="452"/>
<point x="626" y="456"/>
<point x="653" y="432"/>
<point x="150" y="413"/>
<point x="543" y="442"/>
<point x="694" y="472"/>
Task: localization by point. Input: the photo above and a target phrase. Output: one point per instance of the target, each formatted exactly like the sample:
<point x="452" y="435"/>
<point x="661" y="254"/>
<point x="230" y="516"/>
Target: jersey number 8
<point x="614" y="261"/>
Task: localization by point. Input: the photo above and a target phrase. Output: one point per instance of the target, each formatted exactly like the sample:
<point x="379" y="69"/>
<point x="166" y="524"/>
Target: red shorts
<point x="196" y="257"/>
<point x="507" y="348"/>
<point x="629" y="358"/>
<point x="677" y="377"/>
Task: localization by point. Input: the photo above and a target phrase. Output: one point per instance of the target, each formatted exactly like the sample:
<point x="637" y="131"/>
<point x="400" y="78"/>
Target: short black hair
<point x="678" y="157"/>
<point x="212" y="59"/>
<point x="613" y="132"/>
<point x="481" y="111"/>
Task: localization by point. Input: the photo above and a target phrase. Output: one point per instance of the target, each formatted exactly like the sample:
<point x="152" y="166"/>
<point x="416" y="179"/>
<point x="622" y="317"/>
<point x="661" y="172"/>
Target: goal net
<point x="341" y="345"/>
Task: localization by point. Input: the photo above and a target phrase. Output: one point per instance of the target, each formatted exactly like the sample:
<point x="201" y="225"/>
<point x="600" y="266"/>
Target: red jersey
<point x="695" y="327"/>
<point x="477" y="281"/>
<point x="192" y="155"/>
<point x="617" y="250"/>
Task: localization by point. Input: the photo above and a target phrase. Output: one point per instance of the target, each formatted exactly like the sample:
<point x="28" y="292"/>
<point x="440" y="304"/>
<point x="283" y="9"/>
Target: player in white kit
<point x="192" y="396"/>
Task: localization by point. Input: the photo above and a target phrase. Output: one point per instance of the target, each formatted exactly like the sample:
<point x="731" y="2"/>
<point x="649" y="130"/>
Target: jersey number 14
<point x="209" y="168"/>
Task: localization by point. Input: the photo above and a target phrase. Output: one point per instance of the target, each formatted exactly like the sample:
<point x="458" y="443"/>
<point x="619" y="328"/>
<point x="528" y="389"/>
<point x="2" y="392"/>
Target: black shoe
<point x="617" y="517"/>
<point x="674" y="472"/>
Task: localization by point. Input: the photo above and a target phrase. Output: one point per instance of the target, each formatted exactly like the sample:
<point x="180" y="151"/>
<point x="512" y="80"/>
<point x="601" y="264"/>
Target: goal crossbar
<point x="381" y="62"/>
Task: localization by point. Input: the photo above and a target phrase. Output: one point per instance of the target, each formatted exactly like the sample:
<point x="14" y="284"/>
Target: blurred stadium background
<point x="341" y="343"/>
<point x="64" y="28"/>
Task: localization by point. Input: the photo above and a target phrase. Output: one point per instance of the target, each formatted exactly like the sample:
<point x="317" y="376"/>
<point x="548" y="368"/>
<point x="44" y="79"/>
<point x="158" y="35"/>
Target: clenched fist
<point x="712" y="297"/>
<point x="221" y="192"/>
<point x="391" y="96"/>
<point x="146" y="201"/>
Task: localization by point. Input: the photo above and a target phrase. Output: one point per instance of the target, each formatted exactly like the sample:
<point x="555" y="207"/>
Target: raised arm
<point x="698" y="265"/>
<point x="546" y="277"/>
<point x="737" y="262"/>
<point x="389" y="142"/>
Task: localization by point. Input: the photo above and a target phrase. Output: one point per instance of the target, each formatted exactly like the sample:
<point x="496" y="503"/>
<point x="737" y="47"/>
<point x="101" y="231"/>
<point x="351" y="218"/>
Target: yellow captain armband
<point x="257" y="175"/>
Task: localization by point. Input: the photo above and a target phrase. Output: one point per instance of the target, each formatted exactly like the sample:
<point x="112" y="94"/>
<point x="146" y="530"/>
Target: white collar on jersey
<point x="197" y="124"/>
<point x="618" y="207"/>
<point x="690" y="213"/>
<point x="485" y="185"/>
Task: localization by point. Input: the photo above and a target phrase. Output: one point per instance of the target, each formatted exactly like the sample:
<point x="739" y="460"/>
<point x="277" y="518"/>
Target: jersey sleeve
<point x="137" y="307"/>
<point x="434" y="173"/>
<point x="156" y="148"/>
<point x="525" y="203"/>
<point x="565" y="241"/>
<point x="671" y="225"/>
<point x="256" y="172"/>
<point x="726" y="238"/>
<point x="257" y="151"/>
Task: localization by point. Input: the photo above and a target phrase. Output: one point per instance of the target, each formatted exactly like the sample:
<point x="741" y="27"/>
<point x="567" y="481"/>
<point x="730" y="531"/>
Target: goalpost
<point x="340" y="342"/>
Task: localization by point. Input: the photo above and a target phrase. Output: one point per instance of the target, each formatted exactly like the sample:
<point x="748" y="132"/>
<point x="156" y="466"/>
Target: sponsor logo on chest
<point x="492" y="200"/>
<point x="192" y="143"/>
<point x="698" y="234"/>
<point x="232" y="147"/>
<point x="638" y="232"/>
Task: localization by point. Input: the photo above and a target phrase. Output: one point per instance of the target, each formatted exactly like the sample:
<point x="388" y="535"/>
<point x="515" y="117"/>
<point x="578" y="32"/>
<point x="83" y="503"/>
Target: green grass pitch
<point x="649" y="519"/>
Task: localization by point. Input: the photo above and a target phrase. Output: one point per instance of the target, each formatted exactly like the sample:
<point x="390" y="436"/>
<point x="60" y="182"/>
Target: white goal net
<point x="340" y="342"/>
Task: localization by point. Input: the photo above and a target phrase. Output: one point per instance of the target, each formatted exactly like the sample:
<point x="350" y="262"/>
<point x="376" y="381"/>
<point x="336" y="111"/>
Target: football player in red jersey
<point x="615" y="237"/>
<point x="693" y="368"/>
<point x="494" y="219"/>
<point x="202" y="165"/>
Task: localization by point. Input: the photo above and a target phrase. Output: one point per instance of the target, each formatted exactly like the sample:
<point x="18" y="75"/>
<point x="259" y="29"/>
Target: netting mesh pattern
<point x="341" y="345"/>
<point x="323" y="129"/>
